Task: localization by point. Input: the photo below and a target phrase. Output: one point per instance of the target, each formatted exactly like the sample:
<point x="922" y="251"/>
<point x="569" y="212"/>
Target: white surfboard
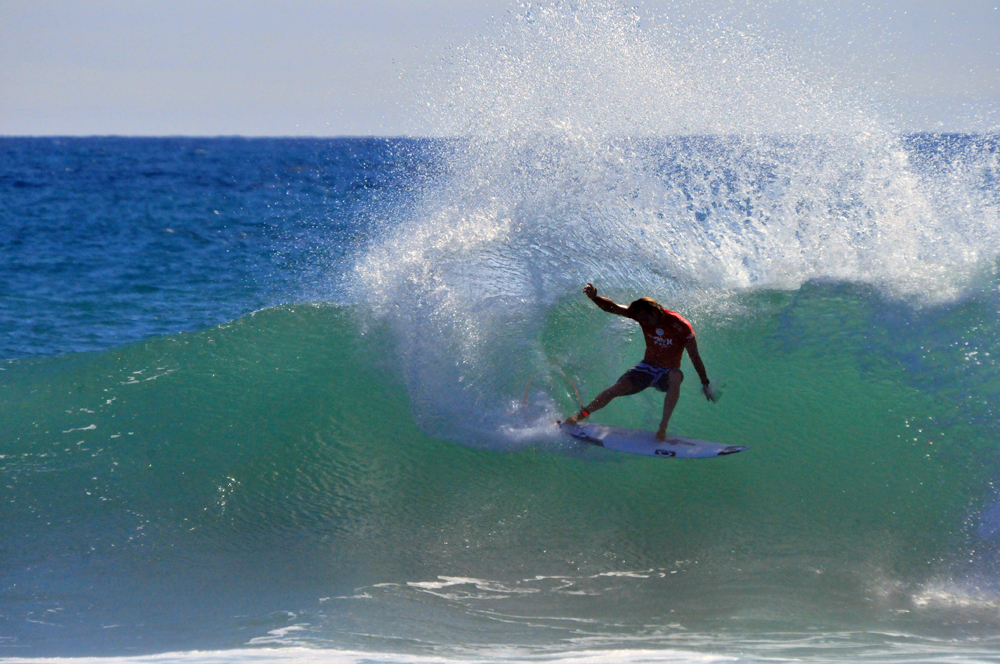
<point x="645" y="442"/>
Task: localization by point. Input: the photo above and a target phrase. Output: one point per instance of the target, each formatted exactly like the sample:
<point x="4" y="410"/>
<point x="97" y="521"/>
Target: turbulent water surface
<point x="293" y="399"/>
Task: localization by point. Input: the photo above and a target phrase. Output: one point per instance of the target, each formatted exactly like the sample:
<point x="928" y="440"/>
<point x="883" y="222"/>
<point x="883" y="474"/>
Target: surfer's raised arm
<point x="604" y="303"/>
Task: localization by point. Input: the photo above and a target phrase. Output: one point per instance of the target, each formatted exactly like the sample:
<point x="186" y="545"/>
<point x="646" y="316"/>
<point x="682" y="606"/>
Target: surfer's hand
<point x="590" y="291"/>
<point x="708" y="391"/>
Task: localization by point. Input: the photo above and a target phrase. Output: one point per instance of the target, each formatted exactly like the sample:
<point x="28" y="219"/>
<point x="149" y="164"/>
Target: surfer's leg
<point x="622" y="388"/>
<point x="673" y="392"/>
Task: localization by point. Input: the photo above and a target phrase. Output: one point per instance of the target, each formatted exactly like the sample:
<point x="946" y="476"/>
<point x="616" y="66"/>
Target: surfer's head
<point x="645" y="309"/>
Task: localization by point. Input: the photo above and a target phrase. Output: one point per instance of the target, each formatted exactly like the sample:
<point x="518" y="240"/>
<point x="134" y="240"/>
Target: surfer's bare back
<point x="668" y="335"/>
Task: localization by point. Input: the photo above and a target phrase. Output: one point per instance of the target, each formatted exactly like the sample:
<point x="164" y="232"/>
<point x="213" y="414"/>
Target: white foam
<point x="333" y="656"/>
<point x="952" y="595"/>
<point x="574" y="167"/>
<point x="816" y="648"/>
<point x="277" y="636"/>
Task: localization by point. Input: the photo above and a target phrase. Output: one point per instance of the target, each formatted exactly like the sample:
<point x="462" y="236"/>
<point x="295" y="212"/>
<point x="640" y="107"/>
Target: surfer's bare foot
<point x="661" y="436"/>
<point x="572" y="419"/>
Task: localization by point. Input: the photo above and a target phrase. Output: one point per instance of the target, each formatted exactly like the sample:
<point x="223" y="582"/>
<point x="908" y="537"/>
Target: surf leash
<point x="572" y="384"/>
<point x="579" y="399"/>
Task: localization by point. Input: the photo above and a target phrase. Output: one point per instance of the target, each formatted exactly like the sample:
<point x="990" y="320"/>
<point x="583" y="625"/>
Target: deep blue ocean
<point x="108" y="241"/>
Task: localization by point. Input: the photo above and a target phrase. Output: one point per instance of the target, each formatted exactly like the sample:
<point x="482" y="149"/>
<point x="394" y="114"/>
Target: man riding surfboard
<point x="667" y="335"/>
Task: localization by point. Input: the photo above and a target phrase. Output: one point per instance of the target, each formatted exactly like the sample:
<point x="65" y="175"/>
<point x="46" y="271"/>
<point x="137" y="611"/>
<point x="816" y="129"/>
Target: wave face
<point x="265" y="483"/>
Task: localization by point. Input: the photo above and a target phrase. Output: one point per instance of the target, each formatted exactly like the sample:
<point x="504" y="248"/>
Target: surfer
<point x="668" y="335"/>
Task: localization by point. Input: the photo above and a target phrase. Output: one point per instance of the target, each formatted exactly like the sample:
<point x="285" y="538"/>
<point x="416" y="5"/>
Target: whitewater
<point x="293" y="399"/>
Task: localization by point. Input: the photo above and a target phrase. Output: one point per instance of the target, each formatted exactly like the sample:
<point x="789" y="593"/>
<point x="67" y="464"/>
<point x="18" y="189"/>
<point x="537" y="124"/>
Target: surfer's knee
<point x="675" y="378"/>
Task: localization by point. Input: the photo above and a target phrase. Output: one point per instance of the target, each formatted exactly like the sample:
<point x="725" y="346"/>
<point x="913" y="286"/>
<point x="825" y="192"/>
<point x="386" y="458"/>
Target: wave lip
<point x="690" y="163"/>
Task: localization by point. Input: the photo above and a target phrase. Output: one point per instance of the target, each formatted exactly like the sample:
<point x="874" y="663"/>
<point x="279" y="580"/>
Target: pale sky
<point x="333" y="68"/>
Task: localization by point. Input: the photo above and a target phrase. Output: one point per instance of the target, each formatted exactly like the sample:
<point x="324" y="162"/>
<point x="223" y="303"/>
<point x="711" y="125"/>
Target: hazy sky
<point x="256" y="67"/>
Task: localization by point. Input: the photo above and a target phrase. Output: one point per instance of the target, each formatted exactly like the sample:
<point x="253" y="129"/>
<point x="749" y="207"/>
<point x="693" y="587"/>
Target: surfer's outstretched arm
<point x="604" y="303"/>
<point x="699" y="366"/>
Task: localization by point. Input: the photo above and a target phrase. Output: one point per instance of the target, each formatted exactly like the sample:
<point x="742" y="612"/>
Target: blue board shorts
<point x="645" y="375"/>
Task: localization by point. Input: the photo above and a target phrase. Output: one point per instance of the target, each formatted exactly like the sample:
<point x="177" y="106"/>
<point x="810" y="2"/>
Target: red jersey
<point x="666" y="340"/>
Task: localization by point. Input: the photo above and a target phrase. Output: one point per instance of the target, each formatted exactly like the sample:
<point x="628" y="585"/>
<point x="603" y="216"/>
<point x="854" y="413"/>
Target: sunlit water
<point x="293" y="400"/>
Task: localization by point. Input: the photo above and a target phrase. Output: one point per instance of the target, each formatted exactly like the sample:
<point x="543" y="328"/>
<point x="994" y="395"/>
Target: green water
<point x="212" y="479"/>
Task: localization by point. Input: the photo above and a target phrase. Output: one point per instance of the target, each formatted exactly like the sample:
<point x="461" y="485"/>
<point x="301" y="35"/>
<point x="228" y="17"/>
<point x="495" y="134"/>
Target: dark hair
<point x="644" y="304"/>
